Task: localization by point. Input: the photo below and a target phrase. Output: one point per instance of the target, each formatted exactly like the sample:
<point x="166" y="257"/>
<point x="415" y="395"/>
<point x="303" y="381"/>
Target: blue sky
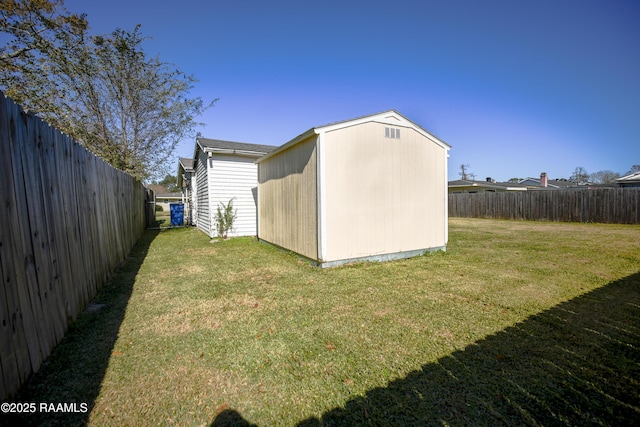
<point x="515" y="87"/>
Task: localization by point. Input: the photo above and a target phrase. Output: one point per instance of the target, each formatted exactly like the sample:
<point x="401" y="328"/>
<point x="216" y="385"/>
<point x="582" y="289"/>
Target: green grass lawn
<point x="163" y="218"/>
<point x="518" y="323"/>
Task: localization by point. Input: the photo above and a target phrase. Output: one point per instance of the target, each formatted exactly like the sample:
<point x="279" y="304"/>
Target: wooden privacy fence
<point x="68" y="219"/>
<point x="605" y="205"/>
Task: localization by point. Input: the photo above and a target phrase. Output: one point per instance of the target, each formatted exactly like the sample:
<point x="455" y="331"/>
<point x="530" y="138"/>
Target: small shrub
<point x="159" y="208"/>
<point x="225" y="216"/>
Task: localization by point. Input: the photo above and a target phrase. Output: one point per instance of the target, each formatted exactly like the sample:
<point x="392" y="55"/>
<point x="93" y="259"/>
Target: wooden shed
<point x="226" y="170"/>
<point x="370" y="188"/>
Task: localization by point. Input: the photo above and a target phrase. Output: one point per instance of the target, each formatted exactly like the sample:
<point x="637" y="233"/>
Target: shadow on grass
<point x="577" y="363"/>
<point x="230" y="418"/>
<point x="73" y="373"/>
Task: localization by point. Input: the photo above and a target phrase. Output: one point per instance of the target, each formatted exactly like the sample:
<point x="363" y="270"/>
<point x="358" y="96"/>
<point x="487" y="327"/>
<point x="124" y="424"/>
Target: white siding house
<point x="370" y="188"/>
<point x="226" y="170"/>
<point x="631" y="180"/>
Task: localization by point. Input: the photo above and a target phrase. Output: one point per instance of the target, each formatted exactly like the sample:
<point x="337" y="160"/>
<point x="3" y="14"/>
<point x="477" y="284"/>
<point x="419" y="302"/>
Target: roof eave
<point x="233" y="151"/>
<point x="294" y="141"/>
<point x="353" y="122"/>
<point x="184" y="167"/>
<point x="380" y="117"/>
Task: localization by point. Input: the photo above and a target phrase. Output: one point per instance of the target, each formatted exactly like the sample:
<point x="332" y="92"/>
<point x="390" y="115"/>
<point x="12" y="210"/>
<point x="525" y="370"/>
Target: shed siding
<point x="235" y="177"/>
<point x="203" y="213"/>
<point x="287" y="199"/>
<point x="383" y="195"/>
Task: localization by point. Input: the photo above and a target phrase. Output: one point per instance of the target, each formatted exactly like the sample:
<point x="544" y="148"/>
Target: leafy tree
<point x="580" y="176"/>
<point x="604" y="177"/>
<point x="35" y="30"/>
<point x="170" y="182"/>
<point x="33" y="27"/>
<point x="103" y="91"/>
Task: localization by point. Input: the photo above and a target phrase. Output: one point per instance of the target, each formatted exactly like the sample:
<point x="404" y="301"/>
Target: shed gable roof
<point x="390" y="117"/>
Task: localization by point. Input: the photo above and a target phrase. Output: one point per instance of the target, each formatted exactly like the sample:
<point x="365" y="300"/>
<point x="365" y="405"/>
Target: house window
<point x="392" y="133"/>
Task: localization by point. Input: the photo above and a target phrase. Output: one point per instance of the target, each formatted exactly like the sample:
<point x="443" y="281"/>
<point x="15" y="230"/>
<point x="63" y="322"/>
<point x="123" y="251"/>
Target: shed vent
<point x="392" y="133"/>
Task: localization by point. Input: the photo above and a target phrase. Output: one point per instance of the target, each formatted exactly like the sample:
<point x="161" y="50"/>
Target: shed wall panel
<point x="235" y="177"/>
<point x="287" y="199"/>
<point x="383" y="195"/>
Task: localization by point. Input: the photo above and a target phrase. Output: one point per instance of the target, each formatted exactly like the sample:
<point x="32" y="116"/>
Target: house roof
<point x="559" y="183"/>
<point x="551" y="183"/>
<point x="186" y="163"/>
<point x="631" y="178"/>
<point x="157" y="188"/>
<point x="464" y="183"/>
<point x="168" y="195"/>
<point x="231" y="147"/>
<point x="391" y="117"/>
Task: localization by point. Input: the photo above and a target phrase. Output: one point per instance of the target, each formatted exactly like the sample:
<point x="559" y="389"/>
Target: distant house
<point x="185" y="183"/>
<point x="224" y="171"/>
<point x="164" y="197"/>
<point x="545" y="183"/>
<point x="370" y="188"/>
<point x="489" y="185"/>
<point x="631" y="180"/>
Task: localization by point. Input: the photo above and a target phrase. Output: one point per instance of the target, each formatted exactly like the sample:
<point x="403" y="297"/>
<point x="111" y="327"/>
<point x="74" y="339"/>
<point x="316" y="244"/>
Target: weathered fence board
<point x="23" y="310"/>
<point x="68" y="219"/>
<point x="604" y="205"/>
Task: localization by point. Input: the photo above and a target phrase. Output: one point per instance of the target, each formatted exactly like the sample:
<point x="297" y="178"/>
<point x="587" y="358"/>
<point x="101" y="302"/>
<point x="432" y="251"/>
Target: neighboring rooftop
<point x="168" y="196"/>
<point x="487" y="185"/>
<point x="631" y="178"/>
<point x="233" y="147"/>
<point x="187" y="163"/>
<point x="551" y="183"/>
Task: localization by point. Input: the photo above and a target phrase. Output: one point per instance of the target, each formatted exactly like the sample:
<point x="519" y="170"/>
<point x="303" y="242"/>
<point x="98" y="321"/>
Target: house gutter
<point x="228" y="151"/>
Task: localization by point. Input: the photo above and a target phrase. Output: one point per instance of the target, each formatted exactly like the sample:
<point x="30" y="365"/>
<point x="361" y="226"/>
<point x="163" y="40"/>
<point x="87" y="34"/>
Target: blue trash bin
<point x="177" y="213"/>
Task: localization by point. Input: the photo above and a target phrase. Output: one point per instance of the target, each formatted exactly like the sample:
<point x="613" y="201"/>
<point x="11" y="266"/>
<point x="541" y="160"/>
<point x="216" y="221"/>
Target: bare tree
<point x="580" y="176"/>
<point x="604" y="177"/>
<point x="465" y="173"/>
